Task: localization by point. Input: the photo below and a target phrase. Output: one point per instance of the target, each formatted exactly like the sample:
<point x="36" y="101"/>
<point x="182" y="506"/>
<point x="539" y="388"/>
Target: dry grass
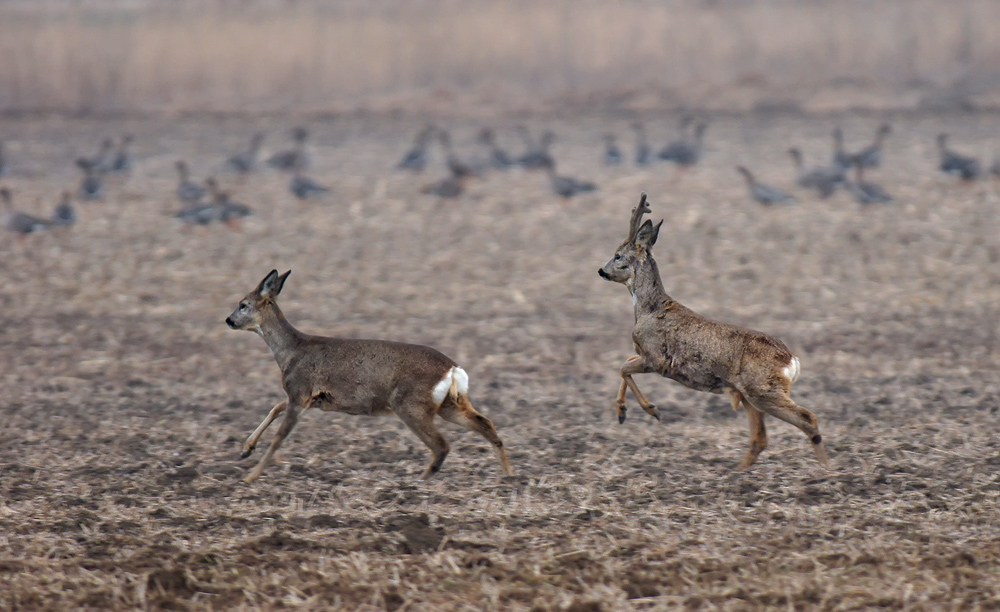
<point x="311" y="56"/>
<point x="126" y="397"/>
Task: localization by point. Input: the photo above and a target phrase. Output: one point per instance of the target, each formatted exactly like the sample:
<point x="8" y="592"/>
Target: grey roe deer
<point x="705" y="355"/>
<point x="361" y="377"/>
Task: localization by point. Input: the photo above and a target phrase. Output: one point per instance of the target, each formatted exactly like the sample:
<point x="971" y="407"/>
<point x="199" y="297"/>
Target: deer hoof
<point x="652" y="411"/>
<point x="247" y="452"/>
<point x="621" y="416"/>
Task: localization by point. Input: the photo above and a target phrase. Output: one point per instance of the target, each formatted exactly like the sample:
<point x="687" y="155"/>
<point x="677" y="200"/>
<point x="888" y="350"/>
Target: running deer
<point x="361" y="377"/>
<point x="705" y="355"/>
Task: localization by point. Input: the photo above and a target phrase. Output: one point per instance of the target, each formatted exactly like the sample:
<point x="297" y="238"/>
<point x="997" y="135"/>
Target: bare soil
<point x="126" y="398"/>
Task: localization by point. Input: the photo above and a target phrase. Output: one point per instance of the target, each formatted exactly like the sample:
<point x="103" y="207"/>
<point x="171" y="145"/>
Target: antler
<point x="637" y="214"/>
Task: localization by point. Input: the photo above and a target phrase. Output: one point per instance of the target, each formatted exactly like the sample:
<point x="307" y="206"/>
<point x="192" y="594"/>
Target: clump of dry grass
<point x="311" y="56"/>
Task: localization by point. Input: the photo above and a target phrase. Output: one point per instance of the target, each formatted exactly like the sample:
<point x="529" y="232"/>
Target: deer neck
<point x="646" y="287"/>
<point x="281" y="337"/>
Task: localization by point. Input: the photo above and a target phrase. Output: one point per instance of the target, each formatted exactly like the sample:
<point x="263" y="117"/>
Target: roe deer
<point x="363" y="377"/>
<point x="699" y="353"/>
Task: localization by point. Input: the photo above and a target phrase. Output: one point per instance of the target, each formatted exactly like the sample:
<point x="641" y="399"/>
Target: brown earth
<point x="126" y="398"/>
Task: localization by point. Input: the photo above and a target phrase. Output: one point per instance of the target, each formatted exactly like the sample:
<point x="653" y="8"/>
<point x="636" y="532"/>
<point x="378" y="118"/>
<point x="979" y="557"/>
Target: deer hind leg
<point x="251" y="442"/>
<point x="462" y="413"/>
<point x="291" y="418"/>
<point x="633" y="365"/>
<point x="778" y="404"/>
<point x="419" y="417"/>
<point x="758" y="433"/>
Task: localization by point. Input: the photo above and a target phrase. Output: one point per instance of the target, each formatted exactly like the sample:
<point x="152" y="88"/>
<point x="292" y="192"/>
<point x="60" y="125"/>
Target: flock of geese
<point x="825" y="180"/>
<point x="203" y="203"/>
<point x="685" y="151"/>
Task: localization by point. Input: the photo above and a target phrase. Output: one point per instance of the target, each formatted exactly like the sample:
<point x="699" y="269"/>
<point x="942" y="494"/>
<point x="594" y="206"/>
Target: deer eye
<point x="243" y="307"/>
<point x="618" y="256"/>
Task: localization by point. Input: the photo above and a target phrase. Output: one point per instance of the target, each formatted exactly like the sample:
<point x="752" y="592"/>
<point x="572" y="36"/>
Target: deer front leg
<point x="251" y="442"/>
<point x="634" y="365"/>
<point x="291" y="417"/>
<point x="620" y="401"/>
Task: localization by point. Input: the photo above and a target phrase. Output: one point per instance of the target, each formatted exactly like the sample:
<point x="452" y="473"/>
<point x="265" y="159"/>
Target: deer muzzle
<point x="603" y="274"/>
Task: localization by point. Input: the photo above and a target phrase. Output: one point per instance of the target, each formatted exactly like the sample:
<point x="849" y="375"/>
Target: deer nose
<point x="229" y="322"/>
<point x="602" y="273"/>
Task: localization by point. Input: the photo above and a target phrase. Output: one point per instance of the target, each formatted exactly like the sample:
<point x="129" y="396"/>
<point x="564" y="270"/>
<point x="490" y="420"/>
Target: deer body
<point x="672" y="340"/>
<point x="358" y="377"/>
<point x="680" y="344"/>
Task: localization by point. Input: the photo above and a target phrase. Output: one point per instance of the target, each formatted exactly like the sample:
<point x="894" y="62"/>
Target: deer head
<point x="636" y="248"/>
<point x="250" y="311"/>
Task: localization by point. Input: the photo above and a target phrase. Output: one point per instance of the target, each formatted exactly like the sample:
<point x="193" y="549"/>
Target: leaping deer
<point x="705" y="355"/>
<point x="362" y="377"/>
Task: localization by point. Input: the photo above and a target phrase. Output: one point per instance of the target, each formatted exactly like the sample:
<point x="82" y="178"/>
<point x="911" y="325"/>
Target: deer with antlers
<point x="705" y="355"/>
<point x="363" y="377"/>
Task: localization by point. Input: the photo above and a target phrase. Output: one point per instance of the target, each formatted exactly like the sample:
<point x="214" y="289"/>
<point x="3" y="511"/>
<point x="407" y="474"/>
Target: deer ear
<point x="269" y="279"/>
<point x="280" y="284"/>
<point x="271" y="286"/>
<point x="647" y="234"/>
<point x="656" y="233"/>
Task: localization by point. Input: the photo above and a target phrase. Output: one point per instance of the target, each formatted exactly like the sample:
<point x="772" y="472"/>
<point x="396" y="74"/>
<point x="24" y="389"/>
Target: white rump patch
<point x="454" y="383"/>
<point x="791" y="371"/>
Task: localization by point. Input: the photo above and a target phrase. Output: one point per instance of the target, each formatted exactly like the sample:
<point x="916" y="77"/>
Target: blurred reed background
<point x="117" y="56"/>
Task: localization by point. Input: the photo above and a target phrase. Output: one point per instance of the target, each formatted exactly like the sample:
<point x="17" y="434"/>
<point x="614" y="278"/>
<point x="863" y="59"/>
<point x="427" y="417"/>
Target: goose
<point x="566" y="186"/>
<point x="64" y="214"/>
<point x="121" y="162"/>
<point x="821" y="179"/>
<point x="689" y="153"/>
<point x="963" y="166"/>
<point x="866" y="192"/>
<point x="538" y="157"/>
<point x="197" y="214"/>
<point x="231" y="212"/>
<point x="3" y="160"/>
<point x="246" y="161"/>
<point x="91" y="186"/>
<point x="416" y="158"/>
<point x="670" y="150"/>
<point x="187" y="190"/>
<point x="499" y="158"/>
<point x="18" y="222"/>
<point x="612" y="154"/>
<point x="295" y="158"/>
<point x="226" y="210"/>
<point x="643" y="154"/>
<point x="304" y="188"/>
<point x="765" y="194"/>
<point x="871" y="156"/>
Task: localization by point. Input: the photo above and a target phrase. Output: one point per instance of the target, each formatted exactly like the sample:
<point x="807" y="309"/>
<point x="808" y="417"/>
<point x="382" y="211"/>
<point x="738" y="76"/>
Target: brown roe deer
<point x="362" y="377"/>
<point x="705" y="355"/>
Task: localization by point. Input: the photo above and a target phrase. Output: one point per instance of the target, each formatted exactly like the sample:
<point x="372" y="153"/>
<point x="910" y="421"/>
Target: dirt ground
<point x="126" y="397"/>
